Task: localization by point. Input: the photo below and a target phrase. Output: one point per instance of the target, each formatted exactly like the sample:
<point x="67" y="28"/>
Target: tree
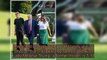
<point x="22" y="6"/>
<point x="25" y="7"/>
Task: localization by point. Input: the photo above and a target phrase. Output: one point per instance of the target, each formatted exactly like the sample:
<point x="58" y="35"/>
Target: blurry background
<point x="4" y="30"/>
<point x="96" y="12"/>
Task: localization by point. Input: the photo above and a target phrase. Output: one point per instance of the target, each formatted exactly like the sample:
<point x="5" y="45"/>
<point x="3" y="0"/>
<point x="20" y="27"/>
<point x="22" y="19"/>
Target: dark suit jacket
<point x="34" y="27"/>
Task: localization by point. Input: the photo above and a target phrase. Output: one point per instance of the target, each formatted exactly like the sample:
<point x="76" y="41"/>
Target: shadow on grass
<point x="4" y="41"/>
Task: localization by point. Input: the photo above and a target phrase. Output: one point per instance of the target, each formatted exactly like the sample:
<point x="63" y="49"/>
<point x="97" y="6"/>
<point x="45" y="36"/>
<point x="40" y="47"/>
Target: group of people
<point x="76" y="29"/>
<point x="31" y="28"/>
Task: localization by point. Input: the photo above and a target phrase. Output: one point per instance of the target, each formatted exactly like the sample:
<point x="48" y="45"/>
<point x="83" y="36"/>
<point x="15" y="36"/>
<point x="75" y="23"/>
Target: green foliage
<point x="25" y="7"/>
<point x="22" y="6"/>
<point x="5" y="5"/>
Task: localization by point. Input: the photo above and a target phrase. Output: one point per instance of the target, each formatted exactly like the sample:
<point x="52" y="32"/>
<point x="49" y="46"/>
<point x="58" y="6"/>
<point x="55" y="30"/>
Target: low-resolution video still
<point x="53" y="29"/>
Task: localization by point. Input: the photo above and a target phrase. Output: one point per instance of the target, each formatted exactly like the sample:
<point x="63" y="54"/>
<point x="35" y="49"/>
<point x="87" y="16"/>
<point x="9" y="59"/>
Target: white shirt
<point x="42" y="25"/>
<point x="74" y="25"/>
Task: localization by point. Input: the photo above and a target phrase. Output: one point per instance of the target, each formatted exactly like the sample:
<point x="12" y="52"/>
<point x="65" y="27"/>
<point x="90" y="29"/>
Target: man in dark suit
<point x="30" y="29"/>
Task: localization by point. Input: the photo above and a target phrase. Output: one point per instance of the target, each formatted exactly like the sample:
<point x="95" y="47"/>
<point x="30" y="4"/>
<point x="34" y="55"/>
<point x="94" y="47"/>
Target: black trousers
<point x="19" y="36"/>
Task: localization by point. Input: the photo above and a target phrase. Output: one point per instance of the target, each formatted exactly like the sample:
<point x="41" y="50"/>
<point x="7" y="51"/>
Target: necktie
<point x="29" y="27"/>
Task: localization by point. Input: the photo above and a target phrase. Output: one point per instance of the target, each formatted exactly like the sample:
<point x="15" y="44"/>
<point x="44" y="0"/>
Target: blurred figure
<point x="8" y="23"/>
<point x="43" y="27"/>
<point x="19" y="29"/>
<point x="78" y="30"/>
<point x="39" y="15"/>
<point x="103" y="38"/>
<point x="54" y="32"/>
<point x="61" y="25"/>
<point x="30" y="30"/>
<point x="38" y="18"/>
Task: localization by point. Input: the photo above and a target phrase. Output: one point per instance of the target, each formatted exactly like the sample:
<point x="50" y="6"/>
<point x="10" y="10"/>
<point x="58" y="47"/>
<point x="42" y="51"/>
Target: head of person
<point x="17" y="15"/>
<point x="79" y="18"/>
<point x="43" y="18"/>
<point x="29" y="17"/>
<point x="67" y="15"/>
<point x="39" y="14"/>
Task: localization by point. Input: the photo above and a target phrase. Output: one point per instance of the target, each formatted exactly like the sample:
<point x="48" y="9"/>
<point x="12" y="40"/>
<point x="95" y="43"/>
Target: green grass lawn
<point x="4" y="38"/>
<point x="4" y="16"/>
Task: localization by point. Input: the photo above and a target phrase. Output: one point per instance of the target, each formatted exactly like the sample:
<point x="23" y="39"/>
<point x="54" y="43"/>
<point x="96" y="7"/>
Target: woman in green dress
<point x="43" y="31"/>
<point x="78" y="30"/>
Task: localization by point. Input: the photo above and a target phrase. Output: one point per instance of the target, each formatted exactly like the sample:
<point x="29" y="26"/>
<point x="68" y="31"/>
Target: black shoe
<point x="32" y="49"/>
<point x="18" y="48"/>
<point x="24" y="45"/>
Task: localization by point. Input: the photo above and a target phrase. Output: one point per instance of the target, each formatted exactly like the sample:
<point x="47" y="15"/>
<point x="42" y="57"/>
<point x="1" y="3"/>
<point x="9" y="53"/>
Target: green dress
<point x="79" y="37"/>
<point x="43" y="36"/>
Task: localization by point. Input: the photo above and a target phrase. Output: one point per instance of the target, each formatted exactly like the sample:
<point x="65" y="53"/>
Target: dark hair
<point x="79" y="16"/>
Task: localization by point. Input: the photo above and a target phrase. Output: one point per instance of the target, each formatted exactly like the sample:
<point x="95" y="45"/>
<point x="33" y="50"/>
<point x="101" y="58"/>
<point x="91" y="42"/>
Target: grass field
<point x="4" y="38"/>
<point x="100" y="49"/>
